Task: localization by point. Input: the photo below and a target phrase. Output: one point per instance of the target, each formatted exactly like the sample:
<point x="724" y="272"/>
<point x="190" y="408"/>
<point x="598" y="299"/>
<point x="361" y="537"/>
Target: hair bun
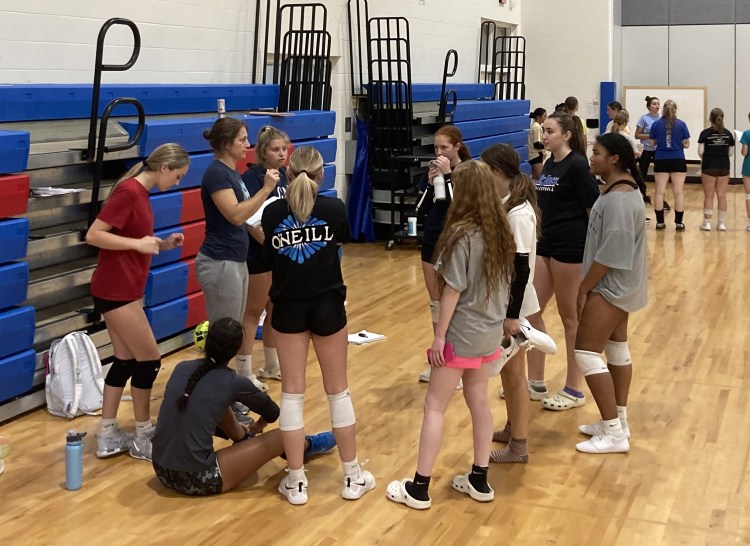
<point x="207" y="134"/>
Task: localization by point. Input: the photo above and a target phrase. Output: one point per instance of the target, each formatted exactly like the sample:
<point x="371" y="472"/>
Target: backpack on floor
<point x="75" y="382"/>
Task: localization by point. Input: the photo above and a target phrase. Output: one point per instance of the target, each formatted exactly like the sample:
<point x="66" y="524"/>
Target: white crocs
<point x="396" y="492"/>
<point x="461" y="483"/>
<point x="270" y="374"/>
<point x="531" y="338"/>
<point x="563" y="401"/>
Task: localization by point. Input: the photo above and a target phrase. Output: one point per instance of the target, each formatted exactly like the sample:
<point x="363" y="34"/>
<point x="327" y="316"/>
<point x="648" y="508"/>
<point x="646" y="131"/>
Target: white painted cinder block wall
<point x="569" y="50"/>
<point x="210" y="41"/>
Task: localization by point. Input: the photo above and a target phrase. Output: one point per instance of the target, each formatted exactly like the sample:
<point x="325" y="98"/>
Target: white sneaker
<point x="141" y="448"/>
<point x="531" y="338"/>
<point x="295" y="493"/>
<point x="270" y="374"/>
<point x="706" y="225"/>
<point x="721" y="227"/>
<point x="604" y="443"/>
<point x="262" y="387"/>
<point x="112" y="443"/>
<point x="598" y="428"/>
<point x="354" y="488"/>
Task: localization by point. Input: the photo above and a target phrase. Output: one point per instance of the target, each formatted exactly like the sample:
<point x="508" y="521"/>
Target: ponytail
<point x="222" y="343"/>
<point x="669" y="112"/>
<point x="172" y="155"/>
<point x="305" y="167"/>
<point x="571" y="124"/>
<point x="716" y="117"/>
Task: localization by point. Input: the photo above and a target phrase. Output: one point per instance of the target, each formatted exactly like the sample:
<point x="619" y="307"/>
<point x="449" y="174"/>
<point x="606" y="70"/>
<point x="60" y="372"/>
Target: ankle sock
<point x="537" y="385"/>
<point x="678" y="216"/>
<point x="502" y="435"/>
<point x="613" y="427"/>
<point x="418" y="488"/>
<point x="722" y="217"/>
<point x="296" y="476"/>
<point x="244" y="365"/>
<point x="659" y="216"/>
<point x="515" y="452"/>
<point x="108" y="426"/>
<point x="573" y="392"/>
<point x="478" y="478"/>
<point x="142" y="428"/>
<point x="351" y="469"/>
<point x="271" y="362"/>
<point x="622" y="412"/>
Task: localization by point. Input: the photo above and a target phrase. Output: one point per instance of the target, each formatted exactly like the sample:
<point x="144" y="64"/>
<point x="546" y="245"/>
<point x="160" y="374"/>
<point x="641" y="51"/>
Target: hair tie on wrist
<point x="186" y="395"/>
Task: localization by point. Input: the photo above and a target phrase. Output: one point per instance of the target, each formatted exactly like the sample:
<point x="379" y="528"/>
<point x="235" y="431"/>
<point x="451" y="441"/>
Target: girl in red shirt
<point x="124" y="233"/>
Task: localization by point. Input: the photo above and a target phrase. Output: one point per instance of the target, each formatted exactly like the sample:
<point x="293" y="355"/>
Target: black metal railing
<point x="442" y="114"/>
<point x="358" y="59"/>
<point x="100" y="67"/>
<point x="510" y="61"/>
<point x="101" y="149"/>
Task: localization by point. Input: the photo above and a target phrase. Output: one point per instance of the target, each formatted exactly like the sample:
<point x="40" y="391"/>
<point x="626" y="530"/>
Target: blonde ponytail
<point x="305" y="167"/>
<point x="170" y="154"/>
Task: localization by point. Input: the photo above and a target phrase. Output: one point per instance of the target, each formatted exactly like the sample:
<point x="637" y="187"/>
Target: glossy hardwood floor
<point x="685" y="480"/>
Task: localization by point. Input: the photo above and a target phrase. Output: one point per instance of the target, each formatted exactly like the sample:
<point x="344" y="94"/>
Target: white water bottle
<point x="439" y="184"/>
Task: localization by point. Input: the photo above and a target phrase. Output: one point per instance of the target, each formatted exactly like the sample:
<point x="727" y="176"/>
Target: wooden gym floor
<point x="685" y="480"/>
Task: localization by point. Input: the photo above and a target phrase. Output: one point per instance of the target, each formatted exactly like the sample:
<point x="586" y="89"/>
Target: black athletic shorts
<point x="197" y="484"/>
<point x="428" y="253"/>
<point x="670" y="166"/>
<point x="256" y="266"/>
<point x="323" y="316"/>
<point x="102" y="306"/>
<point x="718" y="173"/>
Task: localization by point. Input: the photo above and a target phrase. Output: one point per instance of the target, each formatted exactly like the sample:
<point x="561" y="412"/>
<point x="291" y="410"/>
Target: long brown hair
<point x="304" y="169"/>
<point x="456" y="139"/>
<point x="716" y="117"/>
<point x="504" y="159"/>
<point x="571" y="124"/>
<point x="476" y="205"/>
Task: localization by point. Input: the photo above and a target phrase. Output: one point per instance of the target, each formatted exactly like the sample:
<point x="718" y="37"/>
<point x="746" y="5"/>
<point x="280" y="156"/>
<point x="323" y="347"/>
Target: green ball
<point x="199" y="335"/>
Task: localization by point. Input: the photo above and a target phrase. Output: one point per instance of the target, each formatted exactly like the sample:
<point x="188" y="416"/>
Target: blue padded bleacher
<point x="525" y="168"/>
<point x="517" y="140"/>
<point x="326" y="147"/>
<point x="73" y="101"/>
<point x="329" y="177"/>
<point x="169" y="282"/>
<point x="492" y="126"/>
<point x="14" y="283"/>
<point x="14" y="239"/>
<point x="477" y="109"/>
<point x="14" y="149"/>
<point x="17" y="374"/>
<point x="188" y="132"/>
<point x="16" y="330"/>
<point x="430" y="92"/>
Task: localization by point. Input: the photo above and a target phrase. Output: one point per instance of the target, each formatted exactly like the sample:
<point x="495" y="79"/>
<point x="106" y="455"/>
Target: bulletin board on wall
<point x="691" y="108"/>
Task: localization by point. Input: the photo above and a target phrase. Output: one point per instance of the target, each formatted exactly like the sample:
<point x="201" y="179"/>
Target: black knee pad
<point x="119" y="372"/>
<point x="144" y="373"/>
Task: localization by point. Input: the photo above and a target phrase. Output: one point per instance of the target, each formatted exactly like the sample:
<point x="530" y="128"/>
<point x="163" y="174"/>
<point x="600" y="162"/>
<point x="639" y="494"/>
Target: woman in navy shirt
<point x="669" y="136"/>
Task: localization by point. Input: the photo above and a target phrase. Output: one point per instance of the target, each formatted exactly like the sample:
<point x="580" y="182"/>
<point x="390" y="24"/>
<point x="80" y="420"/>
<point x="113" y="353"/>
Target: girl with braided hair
<point x="197" y="404"/>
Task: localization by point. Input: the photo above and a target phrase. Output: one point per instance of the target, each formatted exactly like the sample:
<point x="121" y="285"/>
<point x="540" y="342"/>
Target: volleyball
<point x="199" y="335"/>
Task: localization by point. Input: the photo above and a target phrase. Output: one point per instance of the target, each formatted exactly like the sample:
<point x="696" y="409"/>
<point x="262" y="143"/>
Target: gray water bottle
<point x="439" y="184"/>
<point x="74" y="460"/>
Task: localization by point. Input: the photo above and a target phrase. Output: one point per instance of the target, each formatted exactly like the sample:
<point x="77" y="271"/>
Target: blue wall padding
<point x="14" y="283"/>
<point x="198" y="165"/>
<point x="306" y="124"/>
<point x="73" y="101"/>
<point x="326" y="147"/>
<point x="17" y="374"/>
<point x="328" y="193"/>
<point x="526" y="168"/>
<point x="16" y="330"/>
<point x="607" y="94"/>
<point x="14" y="149"/>
<point x="493" y="126"/>
<point x="166" y="283"/>
<point x="14" y="239"/>
<point x="483" y="109"/>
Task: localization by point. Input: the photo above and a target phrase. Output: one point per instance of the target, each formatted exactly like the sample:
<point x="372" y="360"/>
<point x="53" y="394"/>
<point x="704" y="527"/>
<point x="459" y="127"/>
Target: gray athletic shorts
<point x="224" y="285"/>
<point x="206" y="482"/>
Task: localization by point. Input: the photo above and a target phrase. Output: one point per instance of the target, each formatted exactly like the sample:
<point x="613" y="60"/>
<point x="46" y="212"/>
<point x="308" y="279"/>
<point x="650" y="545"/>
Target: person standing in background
<point x="536" y="147"/>
<point x="642" y="131"/>
<point x="715" y="147"/>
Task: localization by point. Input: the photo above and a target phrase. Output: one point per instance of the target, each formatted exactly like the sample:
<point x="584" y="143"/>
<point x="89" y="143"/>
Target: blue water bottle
<point x="74" y="460"/>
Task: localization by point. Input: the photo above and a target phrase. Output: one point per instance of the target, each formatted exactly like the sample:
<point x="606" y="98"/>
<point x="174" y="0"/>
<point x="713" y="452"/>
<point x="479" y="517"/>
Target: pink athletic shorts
<point x="473" y="363"/>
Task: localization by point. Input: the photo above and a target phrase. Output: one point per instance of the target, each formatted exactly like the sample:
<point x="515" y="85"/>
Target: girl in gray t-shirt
<point x="475" y="256"/>
<point x="614" y="285"/>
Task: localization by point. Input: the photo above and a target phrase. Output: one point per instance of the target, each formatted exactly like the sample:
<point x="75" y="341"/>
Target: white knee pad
<point x="435" y="310"/>
<point x="292" y="412"/>
<point x="342" y="409"/>
<point x="617" y="353"/>
<point x="590" y="363"/>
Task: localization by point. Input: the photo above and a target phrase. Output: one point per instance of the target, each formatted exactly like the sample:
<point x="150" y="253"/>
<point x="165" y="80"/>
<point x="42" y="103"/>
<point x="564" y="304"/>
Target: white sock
<point x="613" y="427"/>
<point x="271" y="359"/>
<point x="296" y="476"/>
<point x="537" y="384"/>
<point x="722" y="217"/>
<point x="244" y="365"/>
<point x="108" y="426"/>
<point x="143" y="427"/>
<point x="351" y="469"/>
<point x="622" y="413"/>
